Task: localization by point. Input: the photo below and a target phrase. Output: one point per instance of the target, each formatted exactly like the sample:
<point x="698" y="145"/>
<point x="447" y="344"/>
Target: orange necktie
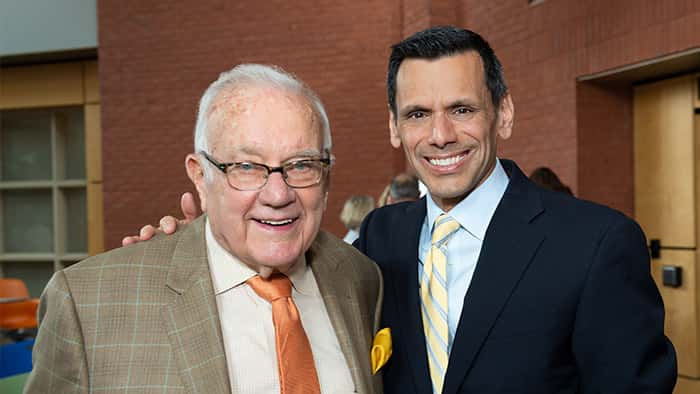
<point x="294" y="358"/>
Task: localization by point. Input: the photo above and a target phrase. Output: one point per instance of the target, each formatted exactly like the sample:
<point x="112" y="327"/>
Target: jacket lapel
<point x="404" y="276"/>
<point x="510" y="243"/>
<point x="192" y="319"/>
<point x="342" y="304"/>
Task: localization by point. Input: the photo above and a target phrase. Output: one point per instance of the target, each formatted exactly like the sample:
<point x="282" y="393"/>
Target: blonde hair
<point x="355" y="210"/>
<point x="384" y="196"/>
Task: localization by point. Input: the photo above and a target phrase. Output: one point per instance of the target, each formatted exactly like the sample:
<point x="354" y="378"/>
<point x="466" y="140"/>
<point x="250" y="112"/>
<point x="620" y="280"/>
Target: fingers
<point x="147" y="232"/>
<point x="188" y="206"/>
<point x="168" y="224"/>
<point x="132" y="239"/>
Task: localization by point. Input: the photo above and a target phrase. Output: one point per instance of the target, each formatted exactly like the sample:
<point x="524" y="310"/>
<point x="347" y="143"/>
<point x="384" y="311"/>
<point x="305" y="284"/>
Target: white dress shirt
<point x="473" y="215"/>
<point x="248" y="332"/>
<point x="351" y="236"/>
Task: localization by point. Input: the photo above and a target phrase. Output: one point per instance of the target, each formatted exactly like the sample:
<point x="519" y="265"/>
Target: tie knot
<point x="275" y="287"/>
<point x="444" y="227"/>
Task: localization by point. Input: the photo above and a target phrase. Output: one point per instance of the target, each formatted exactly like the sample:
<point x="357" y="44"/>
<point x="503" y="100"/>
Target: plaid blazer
<point x="143" y="318"/>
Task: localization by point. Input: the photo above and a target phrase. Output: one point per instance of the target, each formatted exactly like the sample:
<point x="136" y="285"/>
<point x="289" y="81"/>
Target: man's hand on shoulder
<point x="167" y="224"/>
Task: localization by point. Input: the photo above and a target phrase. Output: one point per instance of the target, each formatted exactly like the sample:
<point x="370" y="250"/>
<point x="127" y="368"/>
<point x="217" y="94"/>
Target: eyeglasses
<point x="247" y="176"/>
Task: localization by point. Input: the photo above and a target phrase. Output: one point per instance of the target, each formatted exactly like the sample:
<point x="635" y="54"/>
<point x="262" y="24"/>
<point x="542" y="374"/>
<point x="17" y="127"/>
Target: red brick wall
<point x="156" y="58"/>
<point x="586" y="137"/>
<point x="605" y="160"/>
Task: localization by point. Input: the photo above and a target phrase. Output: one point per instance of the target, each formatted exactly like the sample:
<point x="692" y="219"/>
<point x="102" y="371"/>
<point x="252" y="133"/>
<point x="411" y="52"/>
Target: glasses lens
<point x="247" y="176"/>
<point x="303" y="173"/>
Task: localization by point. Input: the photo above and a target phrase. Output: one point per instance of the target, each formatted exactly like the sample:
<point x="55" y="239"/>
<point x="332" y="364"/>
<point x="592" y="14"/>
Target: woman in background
<point x="354" y="211"/>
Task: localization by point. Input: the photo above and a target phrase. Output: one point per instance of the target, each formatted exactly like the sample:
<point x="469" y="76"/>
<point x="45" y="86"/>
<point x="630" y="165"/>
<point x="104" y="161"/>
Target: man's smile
<point x="447" y="163"/>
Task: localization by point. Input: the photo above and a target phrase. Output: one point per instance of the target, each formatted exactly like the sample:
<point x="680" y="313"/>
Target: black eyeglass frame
<point x="326" y="161"/>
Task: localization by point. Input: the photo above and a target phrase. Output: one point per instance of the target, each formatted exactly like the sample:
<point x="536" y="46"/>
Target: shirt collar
<point x="302" y="277"/>
<point x="227" y="271"/>
<point x="474" y="212"/>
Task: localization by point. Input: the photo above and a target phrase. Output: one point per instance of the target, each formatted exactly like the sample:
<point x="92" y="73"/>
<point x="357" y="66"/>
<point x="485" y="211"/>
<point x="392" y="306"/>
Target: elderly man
<point x="251" y="297"/>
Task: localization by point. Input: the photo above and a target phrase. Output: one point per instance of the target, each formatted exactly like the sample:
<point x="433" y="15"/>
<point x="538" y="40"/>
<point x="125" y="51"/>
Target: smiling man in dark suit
<point x="494" y="285"/>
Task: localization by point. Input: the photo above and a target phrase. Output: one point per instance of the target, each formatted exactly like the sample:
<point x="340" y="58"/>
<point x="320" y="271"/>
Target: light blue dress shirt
<point x="474" y="214"/>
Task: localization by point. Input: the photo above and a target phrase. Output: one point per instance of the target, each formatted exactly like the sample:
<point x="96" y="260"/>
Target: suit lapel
<point x="342" y="304"/>
<point x="404" y="276"/>
<point x="510" y="243"/>
<point x="192" y="319"/>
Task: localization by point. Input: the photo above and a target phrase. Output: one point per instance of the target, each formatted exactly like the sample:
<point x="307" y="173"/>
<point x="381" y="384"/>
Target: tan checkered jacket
<point x="143" y="318"/>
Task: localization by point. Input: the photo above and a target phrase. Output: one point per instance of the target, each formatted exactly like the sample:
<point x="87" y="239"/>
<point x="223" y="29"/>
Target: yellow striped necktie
<point x="433" y="292"/>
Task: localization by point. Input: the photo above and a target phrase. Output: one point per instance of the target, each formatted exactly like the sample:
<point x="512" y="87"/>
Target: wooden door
<point x="666" y="196"/>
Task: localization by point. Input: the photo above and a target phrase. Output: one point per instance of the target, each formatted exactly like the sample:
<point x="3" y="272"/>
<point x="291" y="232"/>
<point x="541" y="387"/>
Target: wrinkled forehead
<point x="246" y="100"/>
<point x="265" y="107"/>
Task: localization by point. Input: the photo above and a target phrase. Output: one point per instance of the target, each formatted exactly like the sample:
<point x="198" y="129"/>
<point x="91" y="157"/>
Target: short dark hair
<point x="404" y="187"/>
<point x="546" y="178"/>
<point x="440" y="41"/>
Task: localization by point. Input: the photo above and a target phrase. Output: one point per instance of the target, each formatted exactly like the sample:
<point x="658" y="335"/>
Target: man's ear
<point x="196" y="174"/>
<point x="506" y="113"/>
<point x="394" y="130"/>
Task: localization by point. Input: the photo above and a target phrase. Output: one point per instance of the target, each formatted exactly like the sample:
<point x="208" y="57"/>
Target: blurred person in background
<point x="404" y="187"/>
<point x="353" y="213"/>
<point x="546" y="178"/>
<point x="382" y="200"/>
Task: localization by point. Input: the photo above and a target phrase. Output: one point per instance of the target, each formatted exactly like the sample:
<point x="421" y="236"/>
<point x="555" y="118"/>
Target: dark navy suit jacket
<point x="562" y="301"/>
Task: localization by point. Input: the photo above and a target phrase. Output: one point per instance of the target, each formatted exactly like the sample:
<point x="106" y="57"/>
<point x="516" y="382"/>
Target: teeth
<point x="446" y="162"/>
<point x="276" y="222"/>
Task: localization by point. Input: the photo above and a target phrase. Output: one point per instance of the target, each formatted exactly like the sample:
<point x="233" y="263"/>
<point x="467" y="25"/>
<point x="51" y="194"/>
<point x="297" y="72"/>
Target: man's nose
<point x="276" y="192"/>
<point x="443" y="132"/>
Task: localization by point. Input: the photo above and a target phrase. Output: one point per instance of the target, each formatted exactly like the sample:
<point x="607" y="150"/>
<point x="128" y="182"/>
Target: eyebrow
<point x="461" y="102"/>
<point x="304" y="153"/>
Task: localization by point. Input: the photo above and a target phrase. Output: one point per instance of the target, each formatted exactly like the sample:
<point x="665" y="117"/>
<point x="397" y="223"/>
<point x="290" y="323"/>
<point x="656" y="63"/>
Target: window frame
<point x="50" y="86"/>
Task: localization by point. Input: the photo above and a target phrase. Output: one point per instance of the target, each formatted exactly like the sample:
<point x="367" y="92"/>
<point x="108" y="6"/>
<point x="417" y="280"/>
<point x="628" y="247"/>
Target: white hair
<point x="255" y="75"/>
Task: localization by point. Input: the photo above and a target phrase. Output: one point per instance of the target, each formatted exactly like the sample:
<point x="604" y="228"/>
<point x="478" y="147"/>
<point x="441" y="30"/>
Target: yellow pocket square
<point x="381" y="349"/>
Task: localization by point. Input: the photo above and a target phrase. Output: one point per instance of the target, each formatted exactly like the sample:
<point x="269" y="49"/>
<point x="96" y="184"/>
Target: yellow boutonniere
<point x="381" y="349"/>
